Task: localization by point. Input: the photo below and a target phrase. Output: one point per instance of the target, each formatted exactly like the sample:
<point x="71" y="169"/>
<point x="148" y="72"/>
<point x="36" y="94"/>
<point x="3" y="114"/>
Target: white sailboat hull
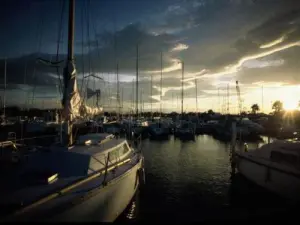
<point x="277" y="180"/>
<point x="92" y="202"/>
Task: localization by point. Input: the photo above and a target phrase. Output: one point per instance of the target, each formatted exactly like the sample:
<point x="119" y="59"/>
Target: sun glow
<point x="290" y="104"/>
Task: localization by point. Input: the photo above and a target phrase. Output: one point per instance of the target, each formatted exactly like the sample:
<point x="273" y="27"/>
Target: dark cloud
<point x="219" y="33"/>
<point x="101" y="60"/>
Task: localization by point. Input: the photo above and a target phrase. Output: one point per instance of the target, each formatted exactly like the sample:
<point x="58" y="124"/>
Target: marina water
<point x="192" y="181"/>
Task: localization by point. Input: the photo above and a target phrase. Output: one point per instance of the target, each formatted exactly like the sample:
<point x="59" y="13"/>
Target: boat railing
<point x="104" y="171"/>
<point x="137" y="142"/>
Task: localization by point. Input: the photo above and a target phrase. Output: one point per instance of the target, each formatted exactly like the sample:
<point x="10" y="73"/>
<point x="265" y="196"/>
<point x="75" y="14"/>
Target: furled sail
<point x="73" y="105"/>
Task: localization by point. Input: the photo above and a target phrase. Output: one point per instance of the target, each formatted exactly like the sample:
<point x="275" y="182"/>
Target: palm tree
<point x="277" y="106"/>
<point x="255" y="108"/>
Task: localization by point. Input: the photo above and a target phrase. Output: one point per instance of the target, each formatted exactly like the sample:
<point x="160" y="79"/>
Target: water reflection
<point x="184" y="176"/>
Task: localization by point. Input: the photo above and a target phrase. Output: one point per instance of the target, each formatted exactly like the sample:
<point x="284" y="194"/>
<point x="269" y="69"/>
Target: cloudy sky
<point x="220" y="41"/>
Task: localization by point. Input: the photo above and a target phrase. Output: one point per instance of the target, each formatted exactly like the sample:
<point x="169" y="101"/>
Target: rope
<point x="82" y="48"/>
<point x="39" y="37"/>
<point x="89" y="46"/>
<point x="60" y="36"/>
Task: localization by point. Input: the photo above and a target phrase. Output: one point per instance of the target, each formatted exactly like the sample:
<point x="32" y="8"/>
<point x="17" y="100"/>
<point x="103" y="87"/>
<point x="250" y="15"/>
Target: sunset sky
<point x="219" y="41"/>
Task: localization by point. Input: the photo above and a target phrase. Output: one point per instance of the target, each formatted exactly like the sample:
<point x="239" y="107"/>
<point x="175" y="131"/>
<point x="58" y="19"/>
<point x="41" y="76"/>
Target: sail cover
<point x="73" y="105"/>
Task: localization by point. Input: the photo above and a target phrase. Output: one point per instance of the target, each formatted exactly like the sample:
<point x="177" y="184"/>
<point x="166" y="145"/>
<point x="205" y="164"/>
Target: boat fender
<point x="245" y="147"/>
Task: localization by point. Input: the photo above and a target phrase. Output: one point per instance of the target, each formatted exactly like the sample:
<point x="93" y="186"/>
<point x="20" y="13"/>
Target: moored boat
<point x="274" y="166"/>
<point x="94" y="180"/>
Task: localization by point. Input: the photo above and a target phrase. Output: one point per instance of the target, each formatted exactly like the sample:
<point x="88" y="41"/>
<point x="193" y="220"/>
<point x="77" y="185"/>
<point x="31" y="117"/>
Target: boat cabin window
<point x="118" y="152"/>
<point x="284" y="158"/>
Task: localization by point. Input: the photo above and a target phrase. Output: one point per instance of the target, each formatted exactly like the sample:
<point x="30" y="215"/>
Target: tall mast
<point x="137" y="81"/>
<point x="219" y="100"/>
<point x="227" y="98"/>
<point x="196" y="89"/>
<point x="161" y="69"/>
<point x="71" y="30"/>
<point x="151" y="94"/>
<point x="118" y="91"/>
<point x="262" y="98"/>
<point x="69" y="73"/>
<point x="182" y="77"/>
<point x="4" y="94"/>
<point x="132" y="96"/>
<point x="172" y="101"/>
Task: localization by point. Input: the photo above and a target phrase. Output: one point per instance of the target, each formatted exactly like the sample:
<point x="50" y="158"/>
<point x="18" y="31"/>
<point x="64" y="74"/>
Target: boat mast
<point x="151" y="95"/>
<point x="228" y="99"/>
<point x="262" y="99"/>
<point x="161" y="69"/>
<point x="137" y="81"/>
<point x="4" y="93"/>
<point x="196" y="89"/>
<point x="182" y="77"/>
<point x="118" y="92"/>
<point x="219" y="100"/>
<point x="69" y="74"/>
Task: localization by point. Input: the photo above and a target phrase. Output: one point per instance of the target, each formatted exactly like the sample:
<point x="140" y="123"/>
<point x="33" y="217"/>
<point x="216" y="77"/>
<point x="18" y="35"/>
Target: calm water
<point x="191" y="181"/>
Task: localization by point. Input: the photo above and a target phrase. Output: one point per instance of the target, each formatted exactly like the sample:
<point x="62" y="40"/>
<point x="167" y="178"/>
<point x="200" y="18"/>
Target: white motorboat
<point x="94" y="180"/>
<point x="274" y="166"/>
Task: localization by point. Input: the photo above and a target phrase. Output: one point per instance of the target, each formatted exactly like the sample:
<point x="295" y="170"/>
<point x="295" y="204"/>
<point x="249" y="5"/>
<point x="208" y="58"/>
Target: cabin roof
<point x="94" y="148"/>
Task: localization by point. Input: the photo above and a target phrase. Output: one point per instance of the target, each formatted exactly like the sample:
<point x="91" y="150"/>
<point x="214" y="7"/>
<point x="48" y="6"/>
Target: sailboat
<point x="91" y="179"/>
<point x="159" y="129"/>
<point x="184" y="129"/>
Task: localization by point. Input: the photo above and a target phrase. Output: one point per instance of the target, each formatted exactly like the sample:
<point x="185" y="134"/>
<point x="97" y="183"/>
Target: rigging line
<point x="87" y="82"/>
<point x="39" y="37"/>
<point x="95" y="32"/>
<point x="97" y="43"/>
<point x="97" y="46"/>
<point x="82" y="51"/>
<point x="88" y="41"/>
<point x="60" y="34"/>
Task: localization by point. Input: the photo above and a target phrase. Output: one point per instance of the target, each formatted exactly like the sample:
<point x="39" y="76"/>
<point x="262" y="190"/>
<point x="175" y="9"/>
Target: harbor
<point x="188" y="172"/>
<point x="125" y="122"/>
